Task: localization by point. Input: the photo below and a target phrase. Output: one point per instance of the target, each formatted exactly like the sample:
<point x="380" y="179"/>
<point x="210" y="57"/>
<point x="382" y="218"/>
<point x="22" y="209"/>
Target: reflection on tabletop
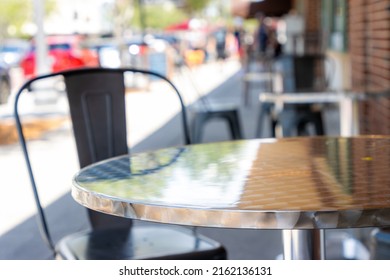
<point x="291" y="183"/>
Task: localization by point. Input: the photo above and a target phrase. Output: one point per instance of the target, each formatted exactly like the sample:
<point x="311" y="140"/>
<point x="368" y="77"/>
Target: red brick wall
<point x="378" y="43"/>
<point x="369" y="47"/>
<point x="313" y="34"/>
<point x="357" y="45"/>
<point x="313" y="15"/>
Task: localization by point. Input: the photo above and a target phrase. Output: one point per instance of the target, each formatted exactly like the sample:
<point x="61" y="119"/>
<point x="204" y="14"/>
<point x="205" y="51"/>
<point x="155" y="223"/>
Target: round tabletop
<point x="289" y="183"/>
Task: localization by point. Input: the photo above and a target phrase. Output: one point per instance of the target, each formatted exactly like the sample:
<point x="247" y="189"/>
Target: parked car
<point x="107" y="50"/>
<point x="12" y="51"/>
<point x="5" y="84"/>
<point x="65" y="52"/>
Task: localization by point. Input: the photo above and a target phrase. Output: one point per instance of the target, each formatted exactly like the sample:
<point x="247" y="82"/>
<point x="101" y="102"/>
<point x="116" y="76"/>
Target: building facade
<point x="369" y="47"/>
<point x="356" y="34"/>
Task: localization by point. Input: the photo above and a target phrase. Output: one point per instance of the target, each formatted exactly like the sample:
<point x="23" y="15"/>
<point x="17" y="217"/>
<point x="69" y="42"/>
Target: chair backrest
<point x="97" y="107"/>
<point x="311" y="72"/>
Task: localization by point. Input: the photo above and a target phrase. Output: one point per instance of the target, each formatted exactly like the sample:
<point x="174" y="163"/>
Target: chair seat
<point x="213" y="107"/>
<point x="141" y="243"/>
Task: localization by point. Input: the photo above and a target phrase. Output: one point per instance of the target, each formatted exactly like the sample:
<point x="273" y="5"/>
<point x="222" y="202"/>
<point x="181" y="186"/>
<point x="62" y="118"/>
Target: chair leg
<point x="265" y="109"/>
<point x="274" y="123"/>
<point x="260" y="120"/>
<point x="316" y="119"/>
<point x="246" y="92"/>
<point x="318" y="124"/>
<point x="197" y="127"/>
<point x="235" y="127"/>
<point x="301" y="128"/>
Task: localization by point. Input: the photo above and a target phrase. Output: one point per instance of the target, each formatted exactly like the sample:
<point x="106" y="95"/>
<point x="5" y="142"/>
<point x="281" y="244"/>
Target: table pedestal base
<point x="304" y="244"/>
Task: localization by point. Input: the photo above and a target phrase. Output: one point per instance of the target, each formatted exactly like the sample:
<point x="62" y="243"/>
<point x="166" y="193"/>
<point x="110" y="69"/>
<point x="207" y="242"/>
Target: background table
<point x="298" y="185"/>
<point x="347" y="102"/>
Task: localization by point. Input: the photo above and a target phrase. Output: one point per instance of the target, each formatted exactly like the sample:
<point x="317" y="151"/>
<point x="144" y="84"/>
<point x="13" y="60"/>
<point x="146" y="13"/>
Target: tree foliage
<point x="194" y="6"/>
<point x="122" y="15"/>
<point x="15" y="13"/>
<point x="158" y="16"/>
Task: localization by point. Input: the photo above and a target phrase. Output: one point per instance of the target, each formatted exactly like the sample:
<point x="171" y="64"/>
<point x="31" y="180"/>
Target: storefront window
<point x="334" y="24"/>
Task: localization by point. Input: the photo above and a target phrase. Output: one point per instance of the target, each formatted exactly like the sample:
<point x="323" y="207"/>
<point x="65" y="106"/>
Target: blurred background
<point x="37" y="36"/>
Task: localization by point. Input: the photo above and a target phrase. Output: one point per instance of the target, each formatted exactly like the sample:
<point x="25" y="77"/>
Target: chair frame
<point x="328" y="72"/>
<point x="206" y="112"/>
<point x="42" y="221"/>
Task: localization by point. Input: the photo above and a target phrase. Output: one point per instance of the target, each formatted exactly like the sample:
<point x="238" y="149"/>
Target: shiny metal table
<point x="299" y="185"/>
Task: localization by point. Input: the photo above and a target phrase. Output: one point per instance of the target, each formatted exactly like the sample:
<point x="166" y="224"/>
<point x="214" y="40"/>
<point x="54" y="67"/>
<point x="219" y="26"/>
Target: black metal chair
<point x="97" y="107"/>
<point x="208" y="111"/>
<point x="303" y="73"/>
<point x="205" y="110"/>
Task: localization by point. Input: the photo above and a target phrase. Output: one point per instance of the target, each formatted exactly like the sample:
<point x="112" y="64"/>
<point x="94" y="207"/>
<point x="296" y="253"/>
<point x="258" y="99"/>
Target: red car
<point x="64" y="52"/>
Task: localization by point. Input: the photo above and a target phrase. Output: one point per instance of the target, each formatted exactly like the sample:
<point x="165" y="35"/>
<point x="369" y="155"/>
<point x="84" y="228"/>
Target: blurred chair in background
<point x="299" y="74"/>
<point x="204" y="110"/>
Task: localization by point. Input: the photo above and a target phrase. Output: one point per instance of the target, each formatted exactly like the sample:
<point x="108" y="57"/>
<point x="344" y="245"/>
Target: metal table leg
<point x="349" y="119"/>
<point x="299" y="244"/>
